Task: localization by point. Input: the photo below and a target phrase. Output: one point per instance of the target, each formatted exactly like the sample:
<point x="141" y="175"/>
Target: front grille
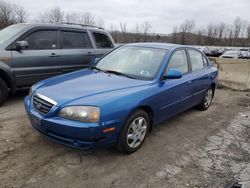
<point x="41" y="103"/>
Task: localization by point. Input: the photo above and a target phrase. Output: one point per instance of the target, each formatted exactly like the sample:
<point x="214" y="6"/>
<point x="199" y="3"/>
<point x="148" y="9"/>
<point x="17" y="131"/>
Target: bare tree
<point x="11" y="14"/>
<point x="53" y="15"/>
<point x="145" y="28"/>
<point x="100" y="22"/>
<point x="186" y="27"/>
<point x="84" y="19"/>
<point x="248" y="35"/>
<point x="123" y="27"/>
<point x="237" y="28"/>
<point x="72" y="17"/>
<point x="175" y="35"/>
<point x="87" y="19"/>
<point x="221" y="32"/>
<point x="20" y="15"/>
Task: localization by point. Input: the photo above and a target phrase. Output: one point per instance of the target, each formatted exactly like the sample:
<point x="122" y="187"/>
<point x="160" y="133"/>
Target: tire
<point x="136" y="127"/>
<point x="207" y="99"/>
<point x="4" y="91"/>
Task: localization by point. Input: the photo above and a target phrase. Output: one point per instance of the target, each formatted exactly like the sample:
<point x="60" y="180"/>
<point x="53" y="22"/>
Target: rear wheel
<point x="4" y="92"/>
<point x="134" y="132"/>
<point x="207" y="100"/>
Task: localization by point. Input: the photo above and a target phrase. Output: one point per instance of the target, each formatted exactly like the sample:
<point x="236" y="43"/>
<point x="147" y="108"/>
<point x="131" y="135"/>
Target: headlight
<point x="81" y="113"/>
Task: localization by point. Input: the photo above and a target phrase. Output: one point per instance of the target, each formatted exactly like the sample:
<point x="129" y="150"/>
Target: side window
<point x="73" y="40"/>
<point x="43" y="39"/>
<point x="102" y="41"/>
<point x="196" y="59"/>
<point x="178" y="61"/>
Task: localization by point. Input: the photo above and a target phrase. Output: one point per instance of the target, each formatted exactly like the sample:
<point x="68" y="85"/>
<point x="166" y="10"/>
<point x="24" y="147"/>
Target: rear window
<point x="196" y="59"/>
<point x="73" y="40"/>
<point x="102" y="40"/>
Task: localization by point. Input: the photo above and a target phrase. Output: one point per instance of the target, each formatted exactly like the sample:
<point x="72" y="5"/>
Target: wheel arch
<point x="148" y="110"/>
<point x="5" y="76"/>
<point x="8" y="76"/>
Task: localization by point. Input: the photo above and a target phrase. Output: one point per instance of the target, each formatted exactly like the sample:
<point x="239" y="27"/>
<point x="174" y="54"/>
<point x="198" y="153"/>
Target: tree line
<point x="235" y="34"/>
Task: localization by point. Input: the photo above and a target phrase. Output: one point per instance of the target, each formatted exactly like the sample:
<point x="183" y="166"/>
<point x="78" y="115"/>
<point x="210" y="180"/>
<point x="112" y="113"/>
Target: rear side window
<point x="102" y="40"/>
<point x="196" y="59"/>
<point x="43" y="39"/>
<point x="73" y="40"/>
<point x="178" y="62"/>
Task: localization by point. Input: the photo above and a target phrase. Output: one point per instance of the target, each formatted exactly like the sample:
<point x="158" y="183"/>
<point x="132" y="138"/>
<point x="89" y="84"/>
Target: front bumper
<point x="71" y="133"/>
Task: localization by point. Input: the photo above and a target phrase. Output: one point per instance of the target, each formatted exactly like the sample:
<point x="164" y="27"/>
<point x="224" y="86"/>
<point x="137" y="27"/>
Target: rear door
<point x="77" y="49"/>
<point x="200" y="75"/>
<point x="40" y="60"/>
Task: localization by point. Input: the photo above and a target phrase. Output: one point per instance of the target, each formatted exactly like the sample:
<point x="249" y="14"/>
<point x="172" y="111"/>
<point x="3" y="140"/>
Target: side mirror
<point x="173" y="74"/>
<point x="20" y="45"/>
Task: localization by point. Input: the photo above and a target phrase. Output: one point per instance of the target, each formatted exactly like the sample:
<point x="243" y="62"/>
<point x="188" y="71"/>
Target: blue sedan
<point x="120" y="97"/>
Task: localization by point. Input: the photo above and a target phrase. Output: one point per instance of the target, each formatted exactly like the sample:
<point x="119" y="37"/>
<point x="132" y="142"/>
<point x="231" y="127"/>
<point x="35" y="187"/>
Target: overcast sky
<point x="163" y="15"/>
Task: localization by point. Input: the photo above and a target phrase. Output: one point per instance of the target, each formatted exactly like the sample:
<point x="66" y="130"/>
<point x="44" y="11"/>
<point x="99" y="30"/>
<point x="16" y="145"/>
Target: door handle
<point x="53" y="55"/>
<point x="89" y="53"/>
<point x="189" y="82"/>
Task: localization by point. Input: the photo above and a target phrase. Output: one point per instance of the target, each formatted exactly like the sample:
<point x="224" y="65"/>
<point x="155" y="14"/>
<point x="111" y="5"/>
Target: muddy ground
<point x="194" y="149"/>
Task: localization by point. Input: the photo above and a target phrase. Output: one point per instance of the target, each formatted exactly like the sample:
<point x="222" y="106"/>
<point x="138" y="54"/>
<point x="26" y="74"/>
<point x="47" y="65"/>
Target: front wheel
<point x="134" y="132"/>
<point x="207" y="100"/>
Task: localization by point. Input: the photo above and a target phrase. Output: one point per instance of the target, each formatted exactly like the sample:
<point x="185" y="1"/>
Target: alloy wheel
<point x="208" y="98"/>
<point x="136" y="132"/>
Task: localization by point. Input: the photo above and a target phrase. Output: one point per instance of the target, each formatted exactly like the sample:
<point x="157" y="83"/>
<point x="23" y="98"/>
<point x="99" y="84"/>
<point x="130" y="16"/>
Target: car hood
<point x="85" y="83"/>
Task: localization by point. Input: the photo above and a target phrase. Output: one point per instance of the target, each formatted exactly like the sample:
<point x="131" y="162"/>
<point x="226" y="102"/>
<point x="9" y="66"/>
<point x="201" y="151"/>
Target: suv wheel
<point x="4" y="92"/>
<point x="134" y="132"/>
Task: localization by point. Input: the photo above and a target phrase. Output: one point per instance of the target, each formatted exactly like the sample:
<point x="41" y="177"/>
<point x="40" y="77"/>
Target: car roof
<point x="165" y="46"/>
<point x="62" y="25"/>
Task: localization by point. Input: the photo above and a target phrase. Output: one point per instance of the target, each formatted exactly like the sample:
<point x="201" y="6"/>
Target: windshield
<point x="9" y="32"/>
<point x="138" y="62"/>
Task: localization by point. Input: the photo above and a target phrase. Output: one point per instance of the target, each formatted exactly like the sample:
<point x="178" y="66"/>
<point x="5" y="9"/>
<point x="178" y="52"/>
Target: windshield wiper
<point x="113" y="72"/>
<point x="119" y="73"/>
<point x="95" y="68"/>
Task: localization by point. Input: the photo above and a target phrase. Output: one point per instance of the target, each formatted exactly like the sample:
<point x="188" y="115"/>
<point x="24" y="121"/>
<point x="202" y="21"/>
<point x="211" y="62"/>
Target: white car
<point x="245" y="53"/>
<point x="236" y="54"/>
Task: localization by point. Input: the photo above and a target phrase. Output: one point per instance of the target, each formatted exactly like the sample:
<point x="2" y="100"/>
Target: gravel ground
<point x="194" y="149"/>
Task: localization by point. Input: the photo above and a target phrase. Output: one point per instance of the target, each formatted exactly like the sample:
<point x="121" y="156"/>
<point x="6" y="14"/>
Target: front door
<point x="40" y="60"/>
<point x="175" y="94"/>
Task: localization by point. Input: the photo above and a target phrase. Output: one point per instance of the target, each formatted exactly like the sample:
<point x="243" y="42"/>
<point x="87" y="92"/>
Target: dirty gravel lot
<point x="194" y="149"/>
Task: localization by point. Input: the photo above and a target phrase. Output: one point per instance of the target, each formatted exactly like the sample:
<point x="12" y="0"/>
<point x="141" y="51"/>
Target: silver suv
<point x="33" y="52"/>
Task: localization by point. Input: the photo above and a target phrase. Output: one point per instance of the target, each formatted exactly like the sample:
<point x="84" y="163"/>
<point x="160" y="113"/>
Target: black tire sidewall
<point x="202" y="106"/>
<point x="4" y="92"/>
<point x="122" y="140"/>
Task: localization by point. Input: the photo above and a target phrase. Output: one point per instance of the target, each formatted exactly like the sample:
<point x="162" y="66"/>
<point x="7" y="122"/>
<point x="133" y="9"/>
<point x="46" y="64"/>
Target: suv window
<point x="42" y="39"/>
<point x="179" y="62"/>
<point x="102" y="41"/>
<point x="73" y="39"/>
<point x="196" y="59"/>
